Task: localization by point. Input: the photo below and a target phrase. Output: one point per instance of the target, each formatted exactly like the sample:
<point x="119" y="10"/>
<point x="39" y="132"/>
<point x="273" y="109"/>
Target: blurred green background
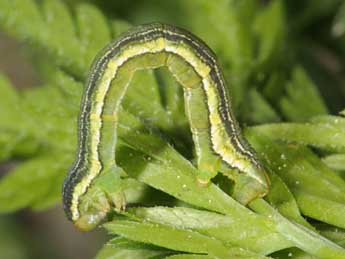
<point x="26" y="234"/>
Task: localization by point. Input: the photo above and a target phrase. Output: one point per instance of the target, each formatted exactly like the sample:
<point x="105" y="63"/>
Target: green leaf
<point x="158" y="172"/>
<point x="274" y="87"/>
<point x="174" y="238"/>
<point x="270" y="26"/>
<point x="57" y="17"/>
<point x="118" y="27"/>
<point x="324" y="132"/>
<point x="335" y="234"/>
<point x="65" y="48"/>
<point x="295" y="106"/>
<point x="172" y="100"/>
<point x="122" y="248"/>
<point x="90" y="20"/>
<point x="281" y="198"/>
<point x="17" y="145"/>
<point x="190" y="256"/>
<point x="143" y="99"/>
<point x="10" y="107"/>
<point x="49" y="103"/>
<point x="316" y="188"/>
<point x="259" y="110"/>
<point x="302" y="237"/>
<point x="335" y="161"/>
<point x="311" y="11"/>
<point x="248" y="231"/>
<point x="338" y="28"/>
<point x="69" y="45"/>
<point x="227" y="35"/>
<point x="33" y="182"/>
<point x="314" y="206"/>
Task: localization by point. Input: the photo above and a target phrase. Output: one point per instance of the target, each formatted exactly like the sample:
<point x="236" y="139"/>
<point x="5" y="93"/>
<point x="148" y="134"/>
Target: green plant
<point x="268" y="58"/>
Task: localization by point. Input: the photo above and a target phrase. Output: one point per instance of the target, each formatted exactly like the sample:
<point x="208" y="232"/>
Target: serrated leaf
<point x="17" y="145"/>
<point x="29" y="183"/>
<point x="47" y="30"/>
<point x="89" y="21"/>
<point x="219" y="24"/>
<point x="59" y="20"/>
<point x="49" y="103"/>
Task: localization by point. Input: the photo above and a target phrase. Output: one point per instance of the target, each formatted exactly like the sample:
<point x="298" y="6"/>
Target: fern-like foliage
<point x="170" y="216"/>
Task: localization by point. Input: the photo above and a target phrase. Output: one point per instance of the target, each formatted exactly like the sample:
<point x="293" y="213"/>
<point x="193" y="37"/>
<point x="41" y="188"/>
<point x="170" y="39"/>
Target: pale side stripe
<point x="221" y="147"/>
<point x="227" y="105"/>
<point x="152" y="46"/>
<point x="87" y="92"/>
<point x="96" y="124"/>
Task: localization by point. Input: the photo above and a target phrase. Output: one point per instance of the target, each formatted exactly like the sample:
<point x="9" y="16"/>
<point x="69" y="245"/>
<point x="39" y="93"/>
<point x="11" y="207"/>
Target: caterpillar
<point x="216" y="133"/>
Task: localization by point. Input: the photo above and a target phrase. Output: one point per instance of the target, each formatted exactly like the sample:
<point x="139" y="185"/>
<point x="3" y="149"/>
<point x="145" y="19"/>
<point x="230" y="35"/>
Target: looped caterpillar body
<point x="216" y="133"/>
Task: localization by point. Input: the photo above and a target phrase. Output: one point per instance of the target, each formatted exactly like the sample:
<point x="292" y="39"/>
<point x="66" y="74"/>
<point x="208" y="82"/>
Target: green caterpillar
<point x="216" y="133"/>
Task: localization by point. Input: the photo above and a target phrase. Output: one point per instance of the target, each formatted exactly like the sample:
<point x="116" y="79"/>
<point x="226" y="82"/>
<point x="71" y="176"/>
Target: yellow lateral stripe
<point x="224" y="135"/>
